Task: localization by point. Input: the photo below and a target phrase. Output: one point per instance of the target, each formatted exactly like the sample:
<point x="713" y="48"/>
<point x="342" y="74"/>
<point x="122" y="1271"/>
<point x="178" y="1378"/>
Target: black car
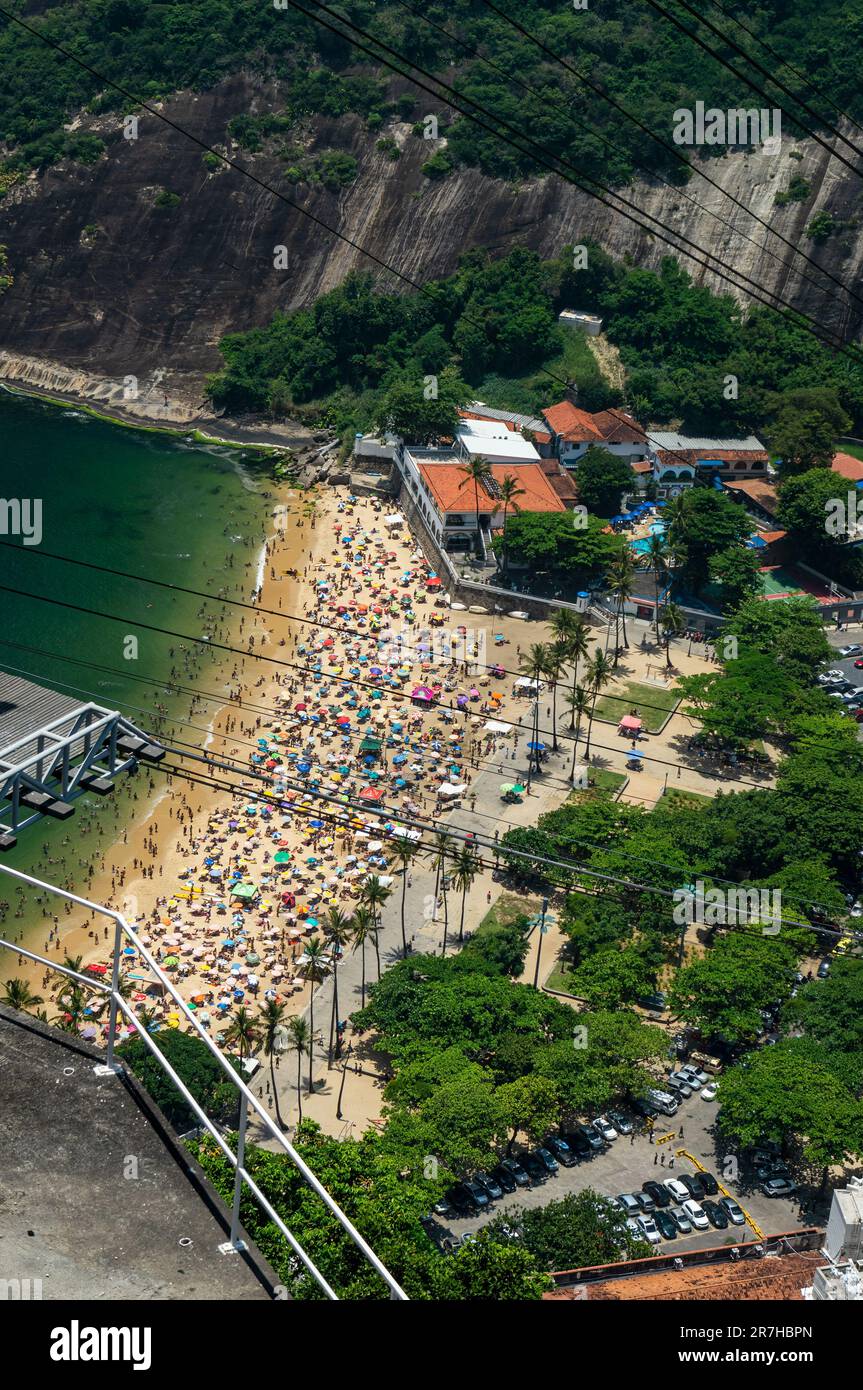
<point x="666" y="1225"/>
<point x="492" y="1189"/>
<point x="504" y="1178"/>
<point x="578" y="1143"/>
<point x="516" y="1172"/>
<point x="460" y="1200"/>
<point x="595" y="1141"/>
<point x="661" y="1196"/>
<point x="715" y="1215"/>
<point x="709" y="1183"/>
<point x="561" y="1150"/>
<point x="534" y="1167"/>
<point x="693" y="1182"/>
<point x="547" y="1159"/>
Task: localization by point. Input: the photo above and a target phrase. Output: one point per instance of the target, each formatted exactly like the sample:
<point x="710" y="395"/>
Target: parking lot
<point x="631" y="1160"/>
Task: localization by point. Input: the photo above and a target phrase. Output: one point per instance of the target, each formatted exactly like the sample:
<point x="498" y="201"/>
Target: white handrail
<point x="122" y="928"/>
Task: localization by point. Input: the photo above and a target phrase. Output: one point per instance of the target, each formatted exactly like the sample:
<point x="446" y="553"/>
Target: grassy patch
<point x="508" y="907"/>
<point x="600" y="779"/>
<point x="652" y="702"/>
<point x="855" y="450"/>
<point x="673" y="798"/>
<point x="561" y="979"/>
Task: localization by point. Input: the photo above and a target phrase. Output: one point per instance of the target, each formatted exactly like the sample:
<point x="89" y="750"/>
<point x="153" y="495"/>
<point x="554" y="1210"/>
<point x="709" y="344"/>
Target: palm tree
<point x="478" y="469"/>
<point x="576" y="650"/>
<point x="272" y="1015"/>
<point x="466" y="870"/>
<point x="364" y="927"/>
<point x="579" y="704"/>
<point x="405" y="852"/>
<point x="313" y="968"/>
<point x="553" y="671"/>
<point x="533" y="665"/>
<point x="509" y="491"/>
<point x="375" y="896"/>
<point x="337" y="930"/>
<point x="299" y="1041"/>
<point x="657" y="559"/>
<point x="443" y="850"/>
<point x="599" y="671"/>
<point x="673" y="622"/>
<point x="18" y="995"/>
<point x="242" y="1031"/>
<point x="621" y="573"/>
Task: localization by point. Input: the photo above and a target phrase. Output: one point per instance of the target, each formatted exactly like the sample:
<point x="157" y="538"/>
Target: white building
<point x="492" y="440"/>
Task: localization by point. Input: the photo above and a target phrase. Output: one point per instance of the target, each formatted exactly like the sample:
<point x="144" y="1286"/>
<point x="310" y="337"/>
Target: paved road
<point x="625" y="1165"/>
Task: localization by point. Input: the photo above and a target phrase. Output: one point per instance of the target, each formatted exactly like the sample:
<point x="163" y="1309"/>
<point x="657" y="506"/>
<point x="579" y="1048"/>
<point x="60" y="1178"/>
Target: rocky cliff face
<point x="110" y="285"/>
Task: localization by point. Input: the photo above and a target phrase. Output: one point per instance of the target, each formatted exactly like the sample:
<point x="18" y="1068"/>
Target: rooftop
<point x="670" y="439"/>
<point x="574" y="425"/>
<point x="73" y="1216"/>
<point x="453" y="492"/>
<point x="757" y="490"/>
<point x="494" y="439"/>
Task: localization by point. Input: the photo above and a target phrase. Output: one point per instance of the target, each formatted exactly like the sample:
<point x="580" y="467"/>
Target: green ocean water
<point x="151" y="506"/>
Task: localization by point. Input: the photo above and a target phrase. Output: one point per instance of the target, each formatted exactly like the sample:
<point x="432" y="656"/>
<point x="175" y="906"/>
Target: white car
<point x="699" y="1077"/>
<point x="605" y="1129"/>
<point x="678" y="1190"/>
<point x="853" y="649"/>
<point x="695" y="1214"/>
<point x="649" y="1231"/>
<point x="709" y="1092"/>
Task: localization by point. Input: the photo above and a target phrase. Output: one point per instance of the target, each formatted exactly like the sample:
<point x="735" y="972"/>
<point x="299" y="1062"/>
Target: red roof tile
<point x="453" y="492"/>
<point x="572" y="424"/>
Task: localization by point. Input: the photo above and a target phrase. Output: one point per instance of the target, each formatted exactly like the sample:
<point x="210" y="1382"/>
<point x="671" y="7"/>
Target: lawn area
<point x="600" y="779"/>
<point x="672" y="798"/>
<point x="559" y="979"/>
<point x="652" y="702"/>
<point x="855" y="450"/>
<point x="507" y="908"/>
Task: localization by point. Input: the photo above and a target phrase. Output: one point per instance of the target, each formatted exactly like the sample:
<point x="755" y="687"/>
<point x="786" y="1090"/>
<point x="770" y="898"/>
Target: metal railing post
<point x="238" y="1175"/>
<point x="115" y="991"/>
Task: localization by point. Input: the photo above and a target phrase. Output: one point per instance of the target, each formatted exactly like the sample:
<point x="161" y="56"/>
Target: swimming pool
<point x="640" y="546"/>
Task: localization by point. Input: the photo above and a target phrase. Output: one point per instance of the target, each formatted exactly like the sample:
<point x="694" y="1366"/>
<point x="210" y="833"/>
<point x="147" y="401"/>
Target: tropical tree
<point x="554" y="664"/>
<point x="599" y="672"/>
<point x="406" y="852"/>
<point x="313" y="967"/>
<point x="444" y="848"/>
<point x="509" y="491"/>
<point x="657" y="559"/>
<point x="338" y="930"/>
<point x="579" y="703"/>
<point x="299" y="1041"/>
<point x="466" y="870"/>
<point x="375" y="895"/>
<point x="273" y="1028"/>
<point x="534" y="665"/>
<point x="364" y="928"/>
<point x="620" y="576"/>
<point x="18" y="995"/>
<point x="577" y="646"/>
<point x="477" y="470"/>
<point x="242" y="1032"/>
<point x="672" y="622"/>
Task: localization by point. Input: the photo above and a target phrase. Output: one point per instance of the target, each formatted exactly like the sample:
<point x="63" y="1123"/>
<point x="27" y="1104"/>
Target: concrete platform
<point x="72" y="1212"/>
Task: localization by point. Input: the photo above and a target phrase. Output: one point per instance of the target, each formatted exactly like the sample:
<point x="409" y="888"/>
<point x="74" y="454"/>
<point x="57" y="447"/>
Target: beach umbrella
<point x="283" y="857"/>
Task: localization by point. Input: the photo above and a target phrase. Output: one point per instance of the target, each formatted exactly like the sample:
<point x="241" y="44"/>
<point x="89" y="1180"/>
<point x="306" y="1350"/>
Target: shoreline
<point x="269" y="441"/>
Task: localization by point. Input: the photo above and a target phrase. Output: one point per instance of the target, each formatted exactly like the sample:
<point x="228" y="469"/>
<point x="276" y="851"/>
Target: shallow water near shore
<point x="150" y="506"/>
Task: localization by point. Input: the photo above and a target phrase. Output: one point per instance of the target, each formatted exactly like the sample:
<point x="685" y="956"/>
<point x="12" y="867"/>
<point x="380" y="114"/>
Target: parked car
<point x="504" y="1178"/>
<point x="709" y="1091"/>
<point x="595" y="1141"/>
<point x="715" y="1215"/>
<point x="490" y="1187"/>
<point x="578" y="1143"/>
<point x="778" y="1186"/>
<point x="858" y="663"/>
<point x="771" y="1168"/>
<point x="852" y="649"/>
<point x="693" y="1211"/>
<point x="655" y="1001"/>
<point x="680" y="1083"/>
<point x="634" y="1229"/>
<point x="680" y="1219"/>
<point x="648" y="1229"/>
<point x="699" y="1077"/>
<point x="629" y="1203"/>
<point x="733" y="1211"/>
<point x="547" y="1159"/>
<point x="679" y="1191"/>
<point x="660" y="1195"/>
<point x="645" y="1202"/>
<point x="534" y="1167"/>
<point x="561" y="1150"/>
<point x="709" y="1183"/>
<point x="604" y="1128"/>
<point x="666" y="1225"/>
<point x="823" y="970"/>
<point x="621" y="1123"/>
<point x="515" y="1170"/>
<point x="692" y="1182"/>
<point x="467" y="1198"/>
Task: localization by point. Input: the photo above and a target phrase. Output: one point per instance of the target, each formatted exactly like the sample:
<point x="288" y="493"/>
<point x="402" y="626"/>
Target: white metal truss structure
<point x="124" y="934"/>
<point x="54" y="748"/>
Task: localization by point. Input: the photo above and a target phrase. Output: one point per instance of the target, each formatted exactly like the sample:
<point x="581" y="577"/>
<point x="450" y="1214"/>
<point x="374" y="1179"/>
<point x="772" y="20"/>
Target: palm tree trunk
<point x="575" y="749"/>
<point x="300" y="1084"/>
<point x="334" y="1012"/>
<point x="363" y="996"/>
<point x="476" y="504"/>
<point x="311" y="1034"/>
<point x="590" y="726"/>
<point x="504" y="539"/>
<point x="554" y="715"/>
<point x="404" y="891"/>
<point x="275" y="1090"/>
<point x="623" y="621"/>
<point x="377" y="946"/>
<point x="461" y="922"/>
